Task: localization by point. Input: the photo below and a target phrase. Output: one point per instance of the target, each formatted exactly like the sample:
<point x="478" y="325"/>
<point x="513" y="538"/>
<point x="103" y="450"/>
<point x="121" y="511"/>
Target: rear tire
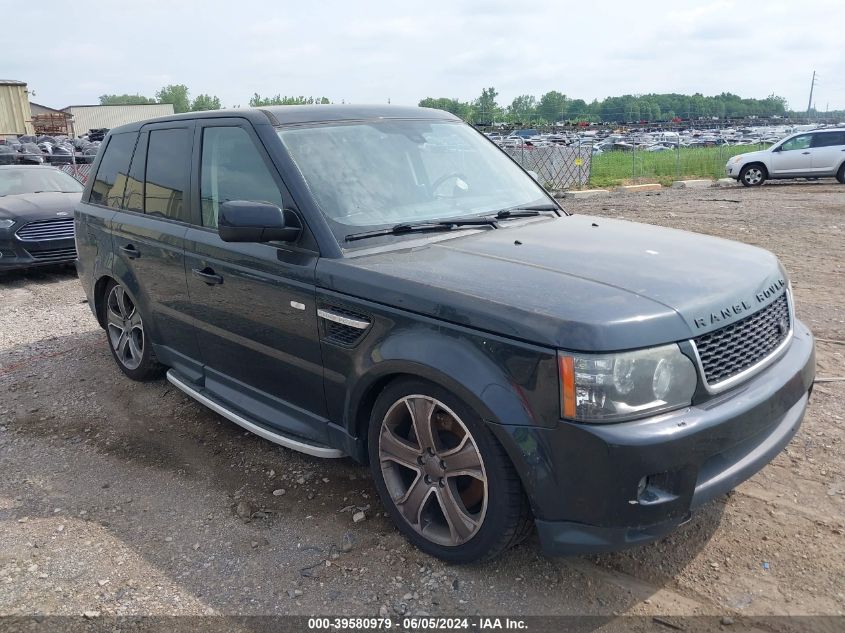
<point x="752" y="175"/>
<point x="450" y="489"/>
<point x="840" y="175"/>
<point x="128" y="341"/>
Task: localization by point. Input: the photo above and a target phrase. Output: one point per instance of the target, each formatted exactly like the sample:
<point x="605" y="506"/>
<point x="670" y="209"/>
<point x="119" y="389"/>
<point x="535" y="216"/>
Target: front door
<point x="254" y="304"/>
<point x="795" y="157"/>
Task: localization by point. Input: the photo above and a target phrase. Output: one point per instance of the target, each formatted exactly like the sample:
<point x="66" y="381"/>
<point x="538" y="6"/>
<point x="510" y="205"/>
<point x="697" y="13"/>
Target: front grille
<point x="741" y="345"/>
<point x="54" y="254"/>
<point x="42" y="230"/>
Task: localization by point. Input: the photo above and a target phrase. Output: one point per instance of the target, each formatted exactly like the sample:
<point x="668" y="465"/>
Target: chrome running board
<point x="261" y="431"/>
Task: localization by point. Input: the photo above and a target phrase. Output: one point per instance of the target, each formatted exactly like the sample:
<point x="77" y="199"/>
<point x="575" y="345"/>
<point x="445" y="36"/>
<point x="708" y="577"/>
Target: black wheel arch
<point x="100" y="287"/>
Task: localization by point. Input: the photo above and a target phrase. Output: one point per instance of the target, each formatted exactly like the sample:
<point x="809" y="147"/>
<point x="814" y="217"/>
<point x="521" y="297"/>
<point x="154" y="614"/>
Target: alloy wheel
<point x="125" y="328"/>
<point x="753" y="176"/>
<point x="433" y="470"/>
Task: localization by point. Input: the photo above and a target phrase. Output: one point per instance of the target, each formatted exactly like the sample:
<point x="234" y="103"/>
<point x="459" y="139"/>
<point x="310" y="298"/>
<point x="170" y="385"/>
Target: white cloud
<point x="372" y="51"/>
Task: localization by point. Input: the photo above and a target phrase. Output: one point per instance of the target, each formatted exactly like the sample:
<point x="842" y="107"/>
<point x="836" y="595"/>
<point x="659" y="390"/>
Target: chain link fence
<point x="558" y="167"/>
<point x="80" y="172"/>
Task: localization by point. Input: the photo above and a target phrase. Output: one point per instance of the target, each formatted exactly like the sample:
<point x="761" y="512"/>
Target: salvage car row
<point x="56" y="150"/>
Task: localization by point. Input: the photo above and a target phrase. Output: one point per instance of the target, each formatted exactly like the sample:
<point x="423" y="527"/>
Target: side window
<point x="168" y="166"/>
<point x="828" y="139"/>
<point x="232" y="169"/>
<point x="114" y="167"/>
<point x="133" y="197"/>
<point x="799" y="142"/>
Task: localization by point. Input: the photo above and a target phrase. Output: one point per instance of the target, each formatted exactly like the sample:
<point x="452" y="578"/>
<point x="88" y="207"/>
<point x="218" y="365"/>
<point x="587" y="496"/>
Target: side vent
<point x="342" y="326"/>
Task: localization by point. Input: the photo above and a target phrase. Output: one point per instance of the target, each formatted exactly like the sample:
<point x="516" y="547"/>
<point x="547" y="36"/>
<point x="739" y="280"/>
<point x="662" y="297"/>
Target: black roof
<point x="290" y="115"/>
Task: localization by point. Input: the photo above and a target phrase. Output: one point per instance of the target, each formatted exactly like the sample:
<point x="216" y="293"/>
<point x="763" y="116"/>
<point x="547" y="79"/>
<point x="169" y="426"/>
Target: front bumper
<point x="583" y="480"/>
<point x="16" y="254"/>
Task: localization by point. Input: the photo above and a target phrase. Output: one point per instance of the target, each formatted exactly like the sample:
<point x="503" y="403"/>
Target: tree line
<point x="551" y="107"/>
<point x="179" y="96"/>
<point x="554" y="106"/>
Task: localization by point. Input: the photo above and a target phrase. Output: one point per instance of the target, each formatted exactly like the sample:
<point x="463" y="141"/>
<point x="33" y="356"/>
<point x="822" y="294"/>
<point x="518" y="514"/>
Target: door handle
<point x="208" y="276"/>
<point x="805" y="153"/>
<point x="131" y="251"/>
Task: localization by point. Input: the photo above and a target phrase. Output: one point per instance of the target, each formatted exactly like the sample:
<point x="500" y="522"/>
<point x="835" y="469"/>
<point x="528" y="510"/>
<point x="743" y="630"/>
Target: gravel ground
<point x="122" y="498"/>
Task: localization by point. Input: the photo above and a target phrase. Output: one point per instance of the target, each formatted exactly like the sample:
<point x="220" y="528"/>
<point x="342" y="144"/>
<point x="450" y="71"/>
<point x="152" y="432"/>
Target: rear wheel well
<point x="99" y="299"/>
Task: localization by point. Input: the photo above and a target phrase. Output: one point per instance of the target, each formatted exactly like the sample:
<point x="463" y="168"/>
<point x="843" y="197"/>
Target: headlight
<point x="625" y="385"/>
<point x="736" y="159"/>
<point x="5" y="224"/>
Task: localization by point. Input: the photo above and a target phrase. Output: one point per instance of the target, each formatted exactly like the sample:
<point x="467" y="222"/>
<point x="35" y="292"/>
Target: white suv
<point x="816" y="154"/>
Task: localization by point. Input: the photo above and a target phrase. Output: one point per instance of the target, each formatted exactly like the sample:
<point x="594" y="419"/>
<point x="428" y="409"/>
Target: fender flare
<point x="451" y="362"/>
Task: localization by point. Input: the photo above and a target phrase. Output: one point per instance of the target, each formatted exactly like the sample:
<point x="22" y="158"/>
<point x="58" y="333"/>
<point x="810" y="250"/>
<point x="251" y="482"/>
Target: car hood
<point x="749" y="156"/>
<point x="576" y="282"/>
<point x="38" y="206"/>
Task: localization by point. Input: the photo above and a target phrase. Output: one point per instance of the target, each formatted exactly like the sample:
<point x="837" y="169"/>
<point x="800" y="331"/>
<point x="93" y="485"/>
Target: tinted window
<point x="168" y="165"/>
<point x="133" y="197"/>
<point x="827" y="139"/>
<point x="799" y="142"/>
<point x="111" y="176"/>
<point x="232" y="169"/>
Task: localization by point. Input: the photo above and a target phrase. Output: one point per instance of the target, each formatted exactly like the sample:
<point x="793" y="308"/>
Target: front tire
<point x="445" y="480"/>
<point x="752" y="175"/>
<point x="840" y="175"/>
<point x="128" y="341"/>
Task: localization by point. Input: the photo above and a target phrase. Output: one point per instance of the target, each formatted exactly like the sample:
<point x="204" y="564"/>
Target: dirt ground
<point x="123" y="498"/>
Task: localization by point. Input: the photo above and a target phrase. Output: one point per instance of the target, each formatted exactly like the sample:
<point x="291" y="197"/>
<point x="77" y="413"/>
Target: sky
<point x="375" y="51"/>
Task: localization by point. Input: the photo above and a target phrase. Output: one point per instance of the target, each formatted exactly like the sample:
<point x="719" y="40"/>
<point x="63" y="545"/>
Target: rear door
<point x="254" y="304"/>
<point x="794" y="157"/>
<point x="149" y="240"/>
<point x="828" y="152"/>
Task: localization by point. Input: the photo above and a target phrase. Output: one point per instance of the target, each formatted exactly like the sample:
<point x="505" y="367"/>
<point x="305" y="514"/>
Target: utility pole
<point x="810" y="102"/>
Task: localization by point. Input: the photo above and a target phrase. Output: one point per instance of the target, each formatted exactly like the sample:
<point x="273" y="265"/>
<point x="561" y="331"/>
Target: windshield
<point x="35" y="180"/>
<point x="369" y="175"/>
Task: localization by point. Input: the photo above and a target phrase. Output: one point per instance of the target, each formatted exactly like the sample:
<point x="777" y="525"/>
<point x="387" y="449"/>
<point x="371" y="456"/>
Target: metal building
<point x="15" y="117"/>
<point x="93" y="117"/>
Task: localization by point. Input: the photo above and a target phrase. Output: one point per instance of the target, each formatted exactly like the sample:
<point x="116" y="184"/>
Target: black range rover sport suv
<point x="384" y="283"/>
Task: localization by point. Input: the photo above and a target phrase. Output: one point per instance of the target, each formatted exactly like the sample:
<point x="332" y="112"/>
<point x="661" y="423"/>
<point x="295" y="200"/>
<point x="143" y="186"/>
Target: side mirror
<point x="246" y="221"/>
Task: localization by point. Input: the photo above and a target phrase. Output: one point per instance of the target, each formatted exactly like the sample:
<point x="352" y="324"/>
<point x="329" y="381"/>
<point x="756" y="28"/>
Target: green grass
<point x="618" y="168"/>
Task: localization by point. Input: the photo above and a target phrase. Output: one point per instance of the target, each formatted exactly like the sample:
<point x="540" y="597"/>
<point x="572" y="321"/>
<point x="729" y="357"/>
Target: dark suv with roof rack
<point x="384" y="283"/>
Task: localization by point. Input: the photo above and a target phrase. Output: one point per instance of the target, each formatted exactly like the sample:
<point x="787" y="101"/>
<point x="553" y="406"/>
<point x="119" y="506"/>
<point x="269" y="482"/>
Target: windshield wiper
<point x="526" y="211"/>
<point x="422" y="227"/>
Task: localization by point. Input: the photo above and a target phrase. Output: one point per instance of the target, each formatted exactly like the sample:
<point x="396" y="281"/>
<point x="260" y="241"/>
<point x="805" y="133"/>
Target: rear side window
<point x="828" y="139"/>
<point x="111" y="176"/>
<point x="232" y="169"/>
<point x="133" y="196"/>
<point x="168" y="166"/>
